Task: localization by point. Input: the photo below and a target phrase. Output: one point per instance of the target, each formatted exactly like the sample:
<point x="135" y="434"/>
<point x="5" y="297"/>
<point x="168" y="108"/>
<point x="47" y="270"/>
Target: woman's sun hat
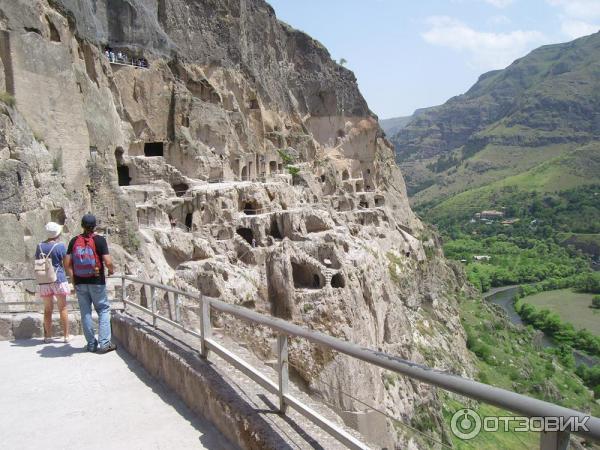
<point x="53" y="230"/>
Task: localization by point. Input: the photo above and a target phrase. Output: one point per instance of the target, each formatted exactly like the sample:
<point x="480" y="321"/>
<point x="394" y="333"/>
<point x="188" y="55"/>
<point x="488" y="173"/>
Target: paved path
<point x="56" y="396"/>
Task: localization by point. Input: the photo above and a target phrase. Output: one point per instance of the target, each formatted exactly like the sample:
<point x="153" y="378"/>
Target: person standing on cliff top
<point x="87" y="256"/>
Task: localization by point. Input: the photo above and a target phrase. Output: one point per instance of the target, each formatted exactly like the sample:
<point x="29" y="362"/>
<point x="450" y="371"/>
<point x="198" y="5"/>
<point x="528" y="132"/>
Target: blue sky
<point x="410" y="54"/>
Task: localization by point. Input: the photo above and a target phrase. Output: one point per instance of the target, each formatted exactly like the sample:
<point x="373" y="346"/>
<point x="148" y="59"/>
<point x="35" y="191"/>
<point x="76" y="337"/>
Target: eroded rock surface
<point x="245" y="135"/>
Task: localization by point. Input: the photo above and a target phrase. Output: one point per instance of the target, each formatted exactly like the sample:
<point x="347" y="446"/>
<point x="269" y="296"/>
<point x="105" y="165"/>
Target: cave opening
<point x="189" y="220"/>
<point x="275" y="232"/>
<point x="345" y="175"/>
<point x="154" y="149"/>
<point x="123" y="175"/>
<point x="273" y="167"/>
<point x="305" y="277"/>
<point x="244" y="173"/>
<point x="250" y="208"/>
<point x="54" y="34"/>
<point x="246" y="234"/>
<point x="363" y="204"/>
<point x="180" y="189"/>
<point x="337" y="281"/>
<point x="58" y="216"/>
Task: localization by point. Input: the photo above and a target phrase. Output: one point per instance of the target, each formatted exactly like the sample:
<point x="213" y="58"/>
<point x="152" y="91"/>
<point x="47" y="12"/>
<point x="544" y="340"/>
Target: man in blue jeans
<point x="87" y="256"/>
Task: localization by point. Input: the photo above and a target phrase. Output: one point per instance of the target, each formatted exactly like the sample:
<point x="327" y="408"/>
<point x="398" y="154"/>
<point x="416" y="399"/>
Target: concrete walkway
<point x="56" y="396"/>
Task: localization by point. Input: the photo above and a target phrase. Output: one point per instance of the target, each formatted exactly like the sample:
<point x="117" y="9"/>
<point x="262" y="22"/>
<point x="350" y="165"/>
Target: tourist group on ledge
<point x="123" y="58"/>
<point x="79" y="268"/>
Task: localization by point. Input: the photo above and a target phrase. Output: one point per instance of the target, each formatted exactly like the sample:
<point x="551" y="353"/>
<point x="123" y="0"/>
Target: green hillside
<point x="544" y="107"/>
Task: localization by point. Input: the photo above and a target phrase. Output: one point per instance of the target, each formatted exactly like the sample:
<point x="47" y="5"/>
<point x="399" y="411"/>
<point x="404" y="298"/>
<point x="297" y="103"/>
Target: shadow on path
<point x="63" y="351"/>
<point x="206" y="430"/>
<point x="54" y="349"/>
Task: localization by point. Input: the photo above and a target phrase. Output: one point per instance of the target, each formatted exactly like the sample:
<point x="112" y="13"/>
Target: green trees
<point x="591" y="377"/>
<point x="588" y="282"/>
<point x="514" y="260"/>
<point x="562" y="332"/>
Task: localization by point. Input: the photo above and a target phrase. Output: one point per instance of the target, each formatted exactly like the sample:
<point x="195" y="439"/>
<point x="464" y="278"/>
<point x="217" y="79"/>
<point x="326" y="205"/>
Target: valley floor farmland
<point x="572" y="307"/>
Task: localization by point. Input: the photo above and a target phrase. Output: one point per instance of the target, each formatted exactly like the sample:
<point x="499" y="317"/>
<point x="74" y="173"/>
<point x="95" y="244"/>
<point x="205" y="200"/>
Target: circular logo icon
<point x="465" y="424"/>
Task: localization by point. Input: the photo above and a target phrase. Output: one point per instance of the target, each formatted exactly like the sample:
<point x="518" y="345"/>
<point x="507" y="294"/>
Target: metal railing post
<point x="123" y="292"/>
<point x="282" y="370"/>
<point x="205" y="326"/>
<point x="177" y="308"/>
<point x="153" y="304"/>
<point x="554" y="440"/>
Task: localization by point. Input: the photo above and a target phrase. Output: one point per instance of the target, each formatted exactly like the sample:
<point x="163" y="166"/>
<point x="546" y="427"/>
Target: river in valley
<point x="505" y="297"/>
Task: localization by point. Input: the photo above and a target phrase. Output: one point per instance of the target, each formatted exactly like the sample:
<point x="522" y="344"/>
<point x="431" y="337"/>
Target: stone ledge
<point x="30" y="325"/>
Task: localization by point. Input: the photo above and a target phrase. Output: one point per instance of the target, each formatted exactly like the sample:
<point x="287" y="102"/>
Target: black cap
<point x="88" y="221"/>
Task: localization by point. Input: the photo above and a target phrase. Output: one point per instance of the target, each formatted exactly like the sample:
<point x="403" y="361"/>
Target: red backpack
<point x="86" y="262"/>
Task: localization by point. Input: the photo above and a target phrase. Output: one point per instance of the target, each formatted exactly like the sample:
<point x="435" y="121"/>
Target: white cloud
<point x="578" y="17"/>
<point x="577" y="28"/>
<point x="499" y="3"/>
<point x="579" y="9"/>
<point x="499" y="20"/>
<point x="487" y="50"/>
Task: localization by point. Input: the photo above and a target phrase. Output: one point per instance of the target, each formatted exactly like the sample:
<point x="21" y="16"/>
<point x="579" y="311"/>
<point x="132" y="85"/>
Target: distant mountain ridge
<point x="394" y="125"/>
<point x="543" y="106"/>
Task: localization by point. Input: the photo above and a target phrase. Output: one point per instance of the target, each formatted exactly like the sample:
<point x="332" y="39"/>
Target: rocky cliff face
<point x="286" y="196"/>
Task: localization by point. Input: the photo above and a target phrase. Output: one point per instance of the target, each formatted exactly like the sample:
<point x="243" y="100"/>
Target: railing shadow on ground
<point x="168" y="397"/>
<point x="272" y="409"/>
<point x="190" y="355"/>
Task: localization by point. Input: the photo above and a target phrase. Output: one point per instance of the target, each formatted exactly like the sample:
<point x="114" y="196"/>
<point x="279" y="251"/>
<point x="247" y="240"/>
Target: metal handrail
<point x="501" y="398"/>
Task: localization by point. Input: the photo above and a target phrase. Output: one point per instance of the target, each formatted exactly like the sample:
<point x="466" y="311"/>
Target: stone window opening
<point x="19" y="179"/>
<point x="273" y="166"/>
<point x="244" y="173"/>
<point x="154" y="149"/>
<point x="363" y="204"/>
<point x="253" y="104"/>
<point x="322" y="178"/>
<point x="246" y="234"/>
<point x="337" y="281"/>
<point x="189" y="221"/>
<point x="306" y="277"/>
<point x="345" y="175"/>
<point x="379" y="201"/>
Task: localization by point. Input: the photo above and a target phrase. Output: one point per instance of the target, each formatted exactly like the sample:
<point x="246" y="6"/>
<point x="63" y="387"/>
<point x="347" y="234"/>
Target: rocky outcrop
<point x="243" y="163"/>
